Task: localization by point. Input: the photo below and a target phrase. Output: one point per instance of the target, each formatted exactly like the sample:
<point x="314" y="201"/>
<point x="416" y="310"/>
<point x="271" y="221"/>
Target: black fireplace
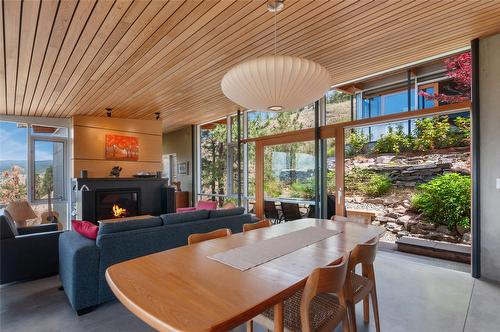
<point x="117" y="203"/>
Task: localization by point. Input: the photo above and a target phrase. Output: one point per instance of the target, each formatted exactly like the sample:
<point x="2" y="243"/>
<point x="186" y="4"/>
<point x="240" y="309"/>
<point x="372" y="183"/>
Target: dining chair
<point x="271" y="212"/>
<point x="352" y="219"/>
<point x="320" y="306"/>
<point x="291" y="211"/>
<point x="200" y="237"/>
<point x="361" y="287"/>
<point x="256" y="225"/>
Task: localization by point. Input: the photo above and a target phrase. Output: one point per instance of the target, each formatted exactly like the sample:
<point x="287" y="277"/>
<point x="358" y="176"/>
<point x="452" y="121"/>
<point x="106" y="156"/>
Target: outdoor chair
<point x="271" y="212"/>
<point x="290" y="211"/>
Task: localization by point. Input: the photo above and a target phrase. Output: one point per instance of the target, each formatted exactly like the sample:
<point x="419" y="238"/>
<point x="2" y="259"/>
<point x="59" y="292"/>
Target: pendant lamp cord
<point x="275" y="13"/>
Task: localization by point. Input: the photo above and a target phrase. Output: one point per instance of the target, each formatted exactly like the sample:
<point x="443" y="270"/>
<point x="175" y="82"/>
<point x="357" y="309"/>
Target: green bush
<point x="377" y="185"/>
<point x="366" y="182"/>
<point x="445" y="200"/>
<point x="463" y="125"/>
<point x="432" y="133"/>
<point x="356" y="143"/>
<point x="395" y="141"/>
<point x="303" y="189"/>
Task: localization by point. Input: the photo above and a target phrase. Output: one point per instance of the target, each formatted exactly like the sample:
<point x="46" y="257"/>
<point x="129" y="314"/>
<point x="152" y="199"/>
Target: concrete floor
<point x="415" y="294"/>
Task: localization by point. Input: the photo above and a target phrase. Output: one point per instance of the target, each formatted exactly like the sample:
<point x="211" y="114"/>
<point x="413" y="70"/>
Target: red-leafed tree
<point x="459" y="71"/>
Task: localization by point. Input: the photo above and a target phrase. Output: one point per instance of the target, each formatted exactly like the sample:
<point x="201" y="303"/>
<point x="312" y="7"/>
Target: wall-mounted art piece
<point x="183" y="168"/>
<point x="122" y="147"/>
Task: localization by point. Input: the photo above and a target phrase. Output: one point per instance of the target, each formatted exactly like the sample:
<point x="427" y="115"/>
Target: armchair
<point x="27" y="252"/>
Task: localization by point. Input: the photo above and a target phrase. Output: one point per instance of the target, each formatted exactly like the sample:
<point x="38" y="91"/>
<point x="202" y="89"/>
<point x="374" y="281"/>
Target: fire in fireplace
<point x="117" y="203"/>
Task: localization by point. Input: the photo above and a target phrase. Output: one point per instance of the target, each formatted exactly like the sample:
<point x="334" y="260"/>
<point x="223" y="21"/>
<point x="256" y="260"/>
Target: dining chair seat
<point x="325" y="312"/>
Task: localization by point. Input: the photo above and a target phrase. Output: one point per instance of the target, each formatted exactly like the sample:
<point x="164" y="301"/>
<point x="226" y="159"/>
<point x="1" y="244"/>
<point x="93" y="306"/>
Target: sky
<point x="13" y="143"/>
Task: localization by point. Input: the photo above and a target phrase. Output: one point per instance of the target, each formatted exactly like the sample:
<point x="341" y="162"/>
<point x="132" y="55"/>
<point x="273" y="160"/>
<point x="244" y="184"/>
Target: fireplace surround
<point x="138" y="196"/>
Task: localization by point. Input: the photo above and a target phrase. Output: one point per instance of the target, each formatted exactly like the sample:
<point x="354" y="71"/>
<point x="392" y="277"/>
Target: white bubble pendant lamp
<point x="276" y="82"/>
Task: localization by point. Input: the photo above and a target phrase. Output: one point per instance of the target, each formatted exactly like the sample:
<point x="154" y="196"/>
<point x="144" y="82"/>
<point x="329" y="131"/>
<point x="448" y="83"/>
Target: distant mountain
<point x="41" y="165"/>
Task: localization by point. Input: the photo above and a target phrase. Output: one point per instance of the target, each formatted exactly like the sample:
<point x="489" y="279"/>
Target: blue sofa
<point x="83" y="262"/>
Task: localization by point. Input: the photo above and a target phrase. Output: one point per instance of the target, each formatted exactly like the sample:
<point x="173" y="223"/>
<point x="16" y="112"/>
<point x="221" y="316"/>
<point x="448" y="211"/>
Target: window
<point x="339" y="107"/>
<point x="48" y="167"/>
<point x="13" y="162"/>
<point x="170" y="167"/>
<point x="213" y="153"/>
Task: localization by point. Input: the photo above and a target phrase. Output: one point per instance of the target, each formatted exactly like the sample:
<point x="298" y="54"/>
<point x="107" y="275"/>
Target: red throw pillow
<point x="85" y="228"/>
<point x="206" y="205"/>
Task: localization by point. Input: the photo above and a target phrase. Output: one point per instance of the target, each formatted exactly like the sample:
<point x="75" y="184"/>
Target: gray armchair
<point x="28" y="252"/>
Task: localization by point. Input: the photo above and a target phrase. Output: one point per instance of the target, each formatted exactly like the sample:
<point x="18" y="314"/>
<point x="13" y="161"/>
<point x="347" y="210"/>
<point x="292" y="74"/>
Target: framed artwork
<point x="183" y="168"/>
<point x="122" y="147"/>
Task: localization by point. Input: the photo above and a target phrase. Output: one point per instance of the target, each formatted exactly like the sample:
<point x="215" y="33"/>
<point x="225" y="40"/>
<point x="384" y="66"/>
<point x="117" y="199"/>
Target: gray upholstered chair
<point x="27" y="252"/>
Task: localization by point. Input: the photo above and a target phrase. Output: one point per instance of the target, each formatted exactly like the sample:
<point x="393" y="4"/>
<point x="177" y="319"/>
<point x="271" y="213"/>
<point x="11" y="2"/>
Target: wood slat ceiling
<point x="141" y="57"/>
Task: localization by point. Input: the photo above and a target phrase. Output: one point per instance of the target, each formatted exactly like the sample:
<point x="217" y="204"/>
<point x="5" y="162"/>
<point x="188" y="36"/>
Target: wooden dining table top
<point x="183" y="290"/>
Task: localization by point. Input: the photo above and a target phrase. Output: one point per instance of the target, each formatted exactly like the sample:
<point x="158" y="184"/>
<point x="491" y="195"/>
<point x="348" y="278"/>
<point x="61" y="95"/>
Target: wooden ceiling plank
<point x="46" y="19"/>
<point x="75" y="30"/>
<point x="63" y="20"/>
<point x="29" y="21"/>
<point x="137" y="26"/>
<point x="188" y="7"/>
<point x="184" y="29"/>
<point x="238" y="4"/>
<point x="135" y="51"/>
<point x="131" y="15"/>
<point x="112" y="20"/>
<point x="12" y="21"/>
<point x="94" y="24"/>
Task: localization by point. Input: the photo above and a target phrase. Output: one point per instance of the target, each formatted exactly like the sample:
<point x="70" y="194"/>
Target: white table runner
<point x="249" y="256"/>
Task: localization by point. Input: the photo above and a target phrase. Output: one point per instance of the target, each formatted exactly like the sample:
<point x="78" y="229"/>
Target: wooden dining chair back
<point x="256" y="225"/>
<point x="325" y="280"/>
<point x="320" y="306"/>
<point x="291" y="211"/>
<point x="361" y="287"/>
<point x="200" y="237"/>
<point x="352" y="219"/>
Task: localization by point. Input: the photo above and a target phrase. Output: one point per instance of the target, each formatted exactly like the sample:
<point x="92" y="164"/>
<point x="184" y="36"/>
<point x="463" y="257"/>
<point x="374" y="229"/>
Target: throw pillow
<point x="206" y="205"/>
<point x="85" y="228"/>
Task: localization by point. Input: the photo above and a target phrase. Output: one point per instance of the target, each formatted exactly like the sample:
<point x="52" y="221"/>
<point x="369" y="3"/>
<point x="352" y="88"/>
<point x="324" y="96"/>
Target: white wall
<point x="489" y="98"/>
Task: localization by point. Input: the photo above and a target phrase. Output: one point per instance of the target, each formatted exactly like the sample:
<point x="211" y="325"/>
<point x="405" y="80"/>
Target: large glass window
<point x="339" y="107"/>
<point x="13" y="162"/>
<point x="48" y="169"/>
<point x="213" y="153"/>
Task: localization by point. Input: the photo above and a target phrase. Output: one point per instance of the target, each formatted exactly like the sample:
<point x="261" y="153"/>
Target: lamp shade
<point x="278" y="82"/>
<point x="21" y="210"/>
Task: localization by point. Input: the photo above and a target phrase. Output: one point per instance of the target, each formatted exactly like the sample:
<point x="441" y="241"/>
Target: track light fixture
<point x="157" y="115"/>
<point x="108" y="112"/>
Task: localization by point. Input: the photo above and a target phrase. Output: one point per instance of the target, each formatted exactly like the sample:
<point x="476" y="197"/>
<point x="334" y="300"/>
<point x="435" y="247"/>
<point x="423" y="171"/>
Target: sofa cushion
<point x="129" y="225"/>
<point x="8" y="228"/>
<point x="227" y="212"/>
<point x="85" y="228"/>
<point x="206" y="205"/>
<point x="179" y="218"/>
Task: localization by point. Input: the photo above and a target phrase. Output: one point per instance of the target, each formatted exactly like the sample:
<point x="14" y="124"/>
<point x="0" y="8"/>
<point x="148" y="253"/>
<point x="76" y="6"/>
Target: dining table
<point x="185" y="289"/>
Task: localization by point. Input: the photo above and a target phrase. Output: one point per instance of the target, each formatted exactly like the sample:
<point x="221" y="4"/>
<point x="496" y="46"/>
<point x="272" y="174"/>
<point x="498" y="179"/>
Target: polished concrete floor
<point x="415" y="294"/>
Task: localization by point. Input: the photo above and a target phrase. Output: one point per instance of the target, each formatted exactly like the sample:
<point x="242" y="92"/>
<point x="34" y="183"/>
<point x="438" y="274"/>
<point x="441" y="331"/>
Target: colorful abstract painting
<point x="122" y="147"/>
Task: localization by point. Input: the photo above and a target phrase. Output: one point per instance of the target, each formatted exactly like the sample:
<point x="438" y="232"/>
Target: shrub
<point x="463" y="125"/>
<point x="357" y="143"/>
<point x="445" y="200"/>
<point x="377" y="185"/>
<point x="395" y="141"/>
<point x="432" y="133"/>
<point x="366" y="182"/>
<point x="303" y="189"/>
